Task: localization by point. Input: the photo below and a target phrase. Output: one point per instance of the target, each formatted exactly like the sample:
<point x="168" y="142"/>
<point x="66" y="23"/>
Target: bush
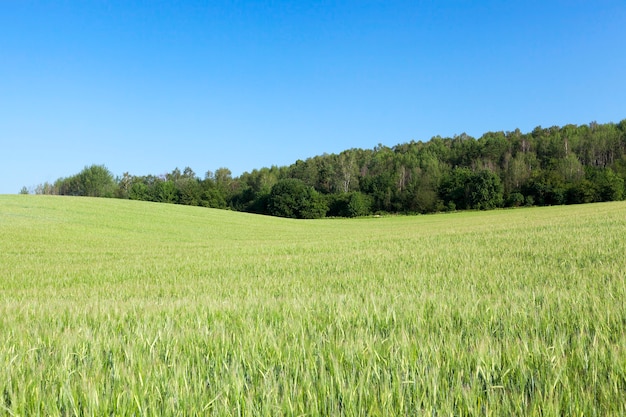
<point x="464" y="189"/>
<point x="293" y="198"/>
<point x="359" y="204"/>
<point x="352" y="204"/>
<point x="93" y="181"/>
<point x="515" y="199"/>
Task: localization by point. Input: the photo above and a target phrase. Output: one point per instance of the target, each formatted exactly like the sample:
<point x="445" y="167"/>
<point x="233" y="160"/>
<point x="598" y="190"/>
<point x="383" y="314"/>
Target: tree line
<point x="548" y="166"/>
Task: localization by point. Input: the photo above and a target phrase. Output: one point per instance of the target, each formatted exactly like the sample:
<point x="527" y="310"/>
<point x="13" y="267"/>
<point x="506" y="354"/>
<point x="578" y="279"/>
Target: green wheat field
<point x="124" y="308"/>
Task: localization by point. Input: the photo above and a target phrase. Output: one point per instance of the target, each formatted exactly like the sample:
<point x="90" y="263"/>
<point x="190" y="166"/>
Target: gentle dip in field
<point x="113" y="307"/>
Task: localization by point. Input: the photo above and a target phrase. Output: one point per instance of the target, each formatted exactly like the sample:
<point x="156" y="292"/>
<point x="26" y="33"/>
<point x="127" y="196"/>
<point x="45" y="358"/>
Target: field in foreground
<point x="111" y="307"/>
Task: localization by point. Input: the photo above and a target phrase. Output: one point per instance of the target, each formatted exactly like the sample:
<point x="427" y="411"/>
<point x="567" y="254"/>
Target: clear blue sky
<point x="148" y="86"/>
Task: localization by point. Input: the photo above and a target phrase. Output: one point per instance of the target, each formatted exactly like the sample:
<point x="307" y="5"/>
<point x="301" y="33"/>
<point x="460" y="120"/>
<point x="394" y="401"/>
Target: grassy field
<point x="111" y="307"/>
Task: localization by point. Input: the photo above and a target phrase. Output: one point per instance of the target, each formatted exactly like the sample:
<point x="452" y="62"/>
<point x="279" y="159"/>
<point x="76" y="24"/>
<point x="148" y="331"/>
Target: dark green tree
<point x="359" y="204"/>
<point x="485" y="190"/>
<point x="97" y="181"/>
<point x="92" y="181"/>
<point x="165" y="191"/>
<point x="455" y="189"/>
<point x="353" y="204"/>
<point x="189" y="191"/>
<point x="139" y="190"/>
<point x="546" y="188"/>
<point x="293" y="198"/>
<point x="609" y="186"/>
<point x="464" y="189"/>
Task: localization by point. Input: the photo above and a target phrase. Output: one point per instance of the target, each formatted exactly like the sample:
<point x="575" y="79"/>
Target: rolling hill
<point x="118" y="307"/>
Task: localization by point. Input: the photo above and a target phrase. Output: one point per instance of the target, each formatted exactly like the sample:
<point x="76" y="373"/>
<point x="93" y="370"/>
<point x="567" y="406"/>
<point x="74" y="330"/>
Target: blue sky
<point x="148" y="86"/>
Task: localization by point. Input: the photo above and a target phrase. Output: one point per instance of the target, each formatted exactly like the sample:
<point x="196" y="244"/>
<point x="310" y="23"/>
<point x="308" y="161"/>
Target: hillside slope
<point x="132" y="308"/>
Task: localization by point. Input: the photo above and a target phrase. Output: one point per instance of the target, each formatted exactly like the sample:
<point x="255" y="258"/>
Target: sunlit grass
<point x="111" y="307"/>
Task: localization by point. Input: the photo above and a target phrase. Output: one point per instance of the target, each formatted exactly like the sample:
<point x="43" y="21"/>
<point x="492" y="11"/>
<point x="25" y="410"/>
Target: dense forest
<point x="548" y="166"/>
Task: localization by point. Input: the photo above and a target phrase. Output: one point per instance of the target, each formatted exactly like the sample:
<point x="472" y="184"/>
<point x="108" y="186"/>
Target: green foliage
<point x="485" y="190"/>
<point x="610" y="186"/>
<point x="189" y="191"/>
<point x="455" y="188"/>
<point x="92" y="181"/>
<point x="570" y="168"/>
<point x="139" y="191"/>
<point x="98" y="181"/>
<point x="381" y="189"/>
<point x="291" y="197"/>
<point x="548" y="166"/>
<point x="212" y="197"/>
<point x="254" y="189"/>
<point x="547" y="188"/>
<point x="473" y="190"/>
<point x="164" y="192"/>
<point x="583" y="191"/>
<point x="515" y="200"/>
<point x="519" y="171"/>
<point x="46" y="189"/>
<point x="359" y="204"/>
<point x="117" y="307"/>
<point x="354" y="204"/>
<point x="124" y="184"/>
